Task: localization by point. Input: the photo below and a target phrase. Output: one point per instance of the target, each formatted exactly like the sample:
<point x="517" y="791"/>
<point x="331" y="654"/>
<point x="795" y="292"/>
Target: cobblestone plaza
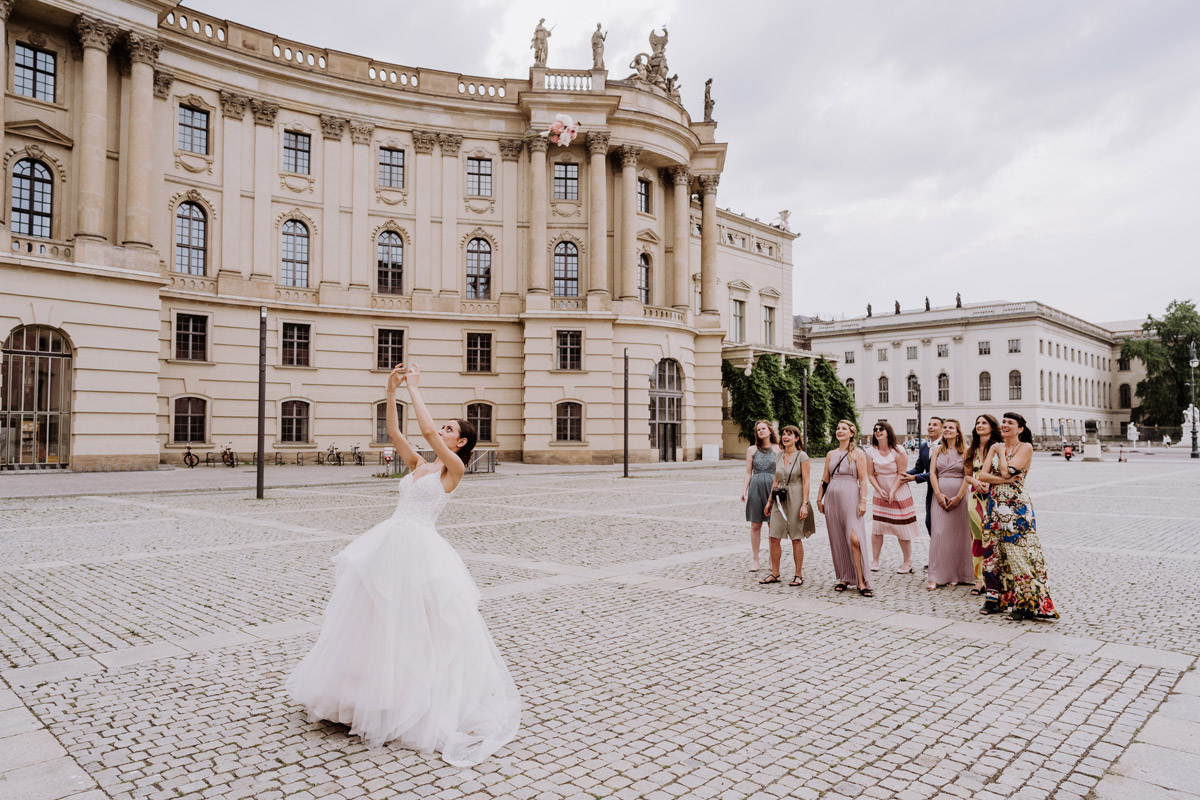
<point x="145" y="639"/>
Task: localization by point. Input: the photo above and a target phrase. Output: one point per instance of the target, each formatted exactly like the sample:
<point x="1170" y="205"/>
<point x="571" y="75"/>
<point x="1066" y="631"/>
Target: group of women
<point x="981" y="522"/>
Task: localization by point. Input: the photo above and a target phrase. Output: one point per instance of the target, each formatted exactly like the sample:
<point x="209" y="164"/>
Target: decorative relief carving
<point x="566" y="236"/>
<point x="94" y="33"/>
<point x="296" y="182"/>
<point x="480" y="205"/>
<point x="143" y="49"/>
<point x="162" y="83"/>
<point x="450" y="142"/>
<point x="6" y="7"/>
<point x="708" y="183"/>
<point x="361" y="132"/>
<point x="234" y="105"/>
<point x="391" y="225"/>
<point x="597" y="143"/>
<point x="333" y="127"/>
<point x="510" y="149"/>
<point x="423" y="141"/>
<point x="538" y="144"/>
<point x="264" y="112"/>
<point x="629" y="155"/>
<point x="37" y="152"/>
<point x="192" y="196"/>
<point x="480" y="233"/>
<point x="566" y="208"/>
<point x="300" y="216"/>
<point x="681" y="175"/>
<point x="36" y="38"/>
<point x="193" y="162"/>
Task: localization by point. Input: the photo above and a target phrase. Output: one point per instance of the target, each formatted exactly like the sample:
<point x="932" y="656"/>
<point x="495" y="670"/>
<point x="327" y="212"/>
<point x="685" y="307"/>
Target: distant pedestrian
<point x="950" y="540"/>
<point x="987" y="433"/>
<point x="760" y="474"/>
<point x="843" y="500"/>
<point x="892" y="512"/>
<point x="790" y="515"/>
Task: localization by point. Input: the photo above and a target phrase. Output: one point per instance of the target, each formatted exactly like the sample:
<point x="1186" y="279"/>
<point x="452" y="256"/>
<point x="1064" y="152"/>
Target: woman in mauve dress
<point x="843" y="501"/>
<point x="950" y="528"/>
<point x="987" y="433"/>
<point x="893" y="512"/>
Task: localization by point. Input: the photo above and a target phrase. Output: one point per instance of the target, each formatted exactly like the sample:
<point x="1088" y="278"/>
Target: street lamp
<point x="918" y="414"/>
<point x="1193" y="362"/>
<point x="262" y="398"/>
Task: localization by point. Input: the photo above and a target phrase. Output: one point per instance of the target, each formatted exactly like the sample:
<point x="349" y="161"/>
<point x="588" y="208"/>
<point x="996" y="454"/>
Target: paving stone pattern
<point x="145" y="639"/>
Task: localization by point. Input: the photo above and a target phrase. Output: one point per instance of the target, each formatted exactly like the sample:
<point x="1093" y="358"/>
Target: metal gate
<point x="35" y="399"/>
<point x="666" y="409"/>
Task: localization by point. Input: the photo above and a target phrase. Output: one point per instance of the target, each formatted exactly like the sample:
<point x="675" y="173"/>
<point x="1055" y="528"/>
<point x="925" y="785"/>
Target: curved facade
<point x="172" y="175"/>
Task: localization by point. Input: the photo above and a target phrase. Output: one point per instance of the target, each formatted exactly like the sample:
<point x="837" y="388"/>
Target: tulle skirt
<point x="404" y="654"/>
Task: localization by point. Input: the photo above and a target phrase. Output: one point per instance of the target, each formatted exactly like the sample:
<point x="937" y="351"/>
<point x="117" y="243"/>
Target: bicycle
<point x="228" y="457"/>
<point x="357" y="455"/>
<point x="190" y="458"/>
<point x="333" y="455"/>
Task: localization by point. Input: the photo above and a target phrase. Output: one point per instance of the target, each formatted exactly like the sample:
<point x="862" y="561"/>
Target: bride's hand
<point x="413" y="376"/>
<point x="396" y="377"/>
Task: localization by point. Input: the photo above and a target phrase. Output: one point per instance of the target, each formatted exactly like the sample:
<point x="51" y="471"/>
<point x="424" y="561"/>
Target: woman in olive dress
<point x="791" y="517"/>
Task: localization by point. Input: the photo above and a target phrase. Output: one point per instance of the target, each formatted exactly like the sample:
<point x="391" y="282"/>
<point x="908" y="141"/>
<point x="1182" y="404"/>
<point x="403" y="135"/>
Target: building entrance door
<point x="35" y="399"/>
<point x="666" y="409"/>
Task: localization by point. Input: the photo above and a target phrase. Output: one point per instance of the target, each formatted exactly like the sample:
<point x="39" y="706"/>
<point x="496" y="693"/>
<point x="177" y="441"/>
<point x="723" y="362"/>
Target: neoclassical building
<point x="173" y="176"/>
<point x="1054" y="369"/>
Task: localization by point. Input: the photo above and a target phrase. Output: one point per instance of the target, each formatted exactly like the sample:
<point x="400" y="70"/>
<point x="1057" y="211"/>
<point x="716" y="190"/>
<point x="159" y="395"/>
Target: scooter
<point x="1068" y="451"/>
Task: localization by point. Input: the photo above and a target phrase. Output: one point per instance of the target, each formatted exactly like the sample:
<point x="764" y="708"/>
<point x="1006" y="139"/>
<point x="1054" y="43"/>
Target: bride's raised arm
<point x="454" y="465"/>
<point x="404" y="450"/>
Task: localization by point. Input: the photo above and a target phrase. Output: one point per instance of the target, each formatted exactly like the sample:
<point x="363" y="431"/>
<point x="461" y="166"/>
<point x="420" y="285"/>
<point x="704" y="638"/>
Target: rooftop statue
<point x="598" y="38"/>
<point x="538" y="44"/>
<point x="958" y="299"/>
<point x="652" y="67"/>
<point x="708" y="109"/>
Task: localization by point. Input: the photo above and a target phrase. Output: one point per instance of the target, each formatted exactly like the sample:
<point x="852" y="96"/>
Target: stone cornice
<point x="264" y="111"/>
<point x="94" y="33"/>
<point x="597" y="143"/>
<point x="234" y="105"/>
<point x="423" y="141"/>
<point x="510" y="149"/>
<point x="361" y="132"/>
<point x="333" y="127"/>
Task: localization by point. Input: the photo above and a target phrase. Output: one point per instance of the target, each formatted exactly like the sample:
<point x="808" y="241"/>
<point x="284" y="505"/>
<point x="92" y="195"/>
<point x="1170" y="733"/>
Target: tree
<point x="1164" y="352"/>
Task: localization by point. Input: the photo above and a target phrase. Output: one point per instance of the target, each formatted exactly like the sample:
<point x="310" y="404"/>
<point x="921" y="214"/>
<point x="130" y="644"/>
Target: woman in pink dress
<point x="950" y="530"/>
<point x="843" y="501"/>
<point x="892" y="513"/>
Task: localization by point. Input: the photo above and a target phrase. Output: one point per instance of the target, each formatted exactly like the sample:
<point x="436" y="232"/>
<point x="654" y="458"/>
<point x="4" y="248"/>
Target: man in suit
<point x="920" y="473"/>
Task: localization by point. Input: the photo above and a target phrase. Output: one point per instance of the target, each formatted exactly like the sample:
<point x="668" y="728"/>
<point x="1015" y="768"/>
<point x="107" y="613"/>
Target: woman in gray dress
<point x="790" y="515"/>
<point x="950" y="523"/>
<point x="760" y="474"/>
<point x="843" y="501"/>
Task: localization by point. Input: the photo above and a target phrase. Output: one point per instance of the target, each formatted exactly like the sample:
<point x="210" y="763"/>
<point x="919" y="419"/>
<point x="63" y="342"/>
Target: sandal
<point x="770" y="579"/>
<point x="990" y="607"/>
<point x="866" y="592"/>
<point x="797" y="581"/>
<point x="978" y="590"/>
<point x="931" y="586"/>
<point x="840" y="587"/>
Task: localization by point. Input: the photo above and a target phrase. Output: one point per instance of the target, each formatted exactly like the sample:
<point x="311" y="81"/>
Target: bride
<point x="403" y="652"/>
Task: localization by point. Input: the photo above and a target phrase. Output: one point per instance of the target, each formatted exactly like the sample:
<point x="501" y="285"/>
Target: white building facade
<point x="1054" y="369"/>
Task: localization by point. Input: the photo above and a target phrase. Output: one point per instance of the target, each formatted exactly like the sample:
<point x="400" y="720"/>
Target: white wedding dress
<point x="404" y="653"/>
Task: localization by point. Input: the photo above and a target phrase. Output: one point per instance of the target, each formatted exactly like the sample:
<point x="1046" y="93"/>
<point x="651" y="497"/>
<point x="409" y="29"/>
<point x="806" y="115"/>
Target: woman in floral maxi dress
<point x="1015" y="569"/>
<point x="986" y="434"/>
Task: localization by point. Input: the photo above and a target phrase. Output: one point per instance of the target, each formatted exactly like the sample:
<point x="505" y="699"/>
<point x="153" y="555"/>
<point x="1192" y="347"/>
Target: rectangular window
<point x="738" y="321"/>
<point x="985" y="348"/>
<point x="849" y="359"/>
<point x="570" y="350"/>
<point x="293" y="422"/>
<point x="296" y="148"/>
<point x="34" y="73"/>
<point x="1041" y="347"/>
<point x="381" y="434"/>
<point x="296" y="340"/>
<point x="943" y="351"/>
<point x="881" y="354"/>
<point x="912" y="353"/>
<point x="643" y="196"/>
<point x="479" y="352"/>
<point x="189" y="419"/>
<point x="910" y="427"/>
<point x="389" y="349"/>
<point x="191" y="337"/>
<point x="1123" y="364"/>
<point x="768" y="325"/>
<point x="569" y="422"/>
<point x="479" y="177"/>
<point x="391" y="168"/>
<point x="1014" y="345"/>
<point x="480" y="415"/>
<point x="566" y="181"/>
<point x="193" y="130"/>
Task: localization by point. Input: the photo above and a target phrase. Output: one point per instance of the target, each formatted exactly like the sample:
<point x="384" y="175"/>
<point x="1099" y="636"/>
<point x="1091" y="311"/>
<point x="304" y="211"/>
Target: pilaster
<point x="599" y="279"/>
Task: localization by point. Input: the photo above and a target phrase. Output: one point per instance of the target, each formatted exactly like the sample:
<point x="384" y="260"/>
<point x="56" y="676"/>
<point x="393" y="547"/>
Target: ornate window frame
<point x="314" y="249"/>
<point x="493" y="284"/>
<point x="58" y="175"/>
<point x="392" y="226"/>
<point x="392" y="195"/>
<point x="195" y="163"/>
<point x="212" y="234"/>
<point x="480" y="204"/>
<point x="298" y="182"/>
<point x="564" y="207"/>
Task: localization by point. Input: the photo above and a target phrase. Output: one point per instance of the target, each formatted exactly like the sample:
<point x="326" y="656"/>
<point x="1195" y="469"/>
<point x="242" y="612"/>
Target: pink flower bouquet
<point x="563" y="131"/>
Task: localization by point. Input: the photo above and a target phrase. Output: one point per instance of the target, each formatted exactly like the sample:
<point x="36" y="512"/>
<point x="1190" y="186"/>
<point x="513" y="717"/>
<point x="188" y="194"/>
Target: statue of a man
<point x="897" y="306"/>
<point x="958" y="299"/>
<point x="538" y="45"/>
<point x="868" y="309"/>
<point x="708" y="101"/>
<point x="926" y="302"/>
<point x="673" y="88"/>
<point x="598" y="48"/>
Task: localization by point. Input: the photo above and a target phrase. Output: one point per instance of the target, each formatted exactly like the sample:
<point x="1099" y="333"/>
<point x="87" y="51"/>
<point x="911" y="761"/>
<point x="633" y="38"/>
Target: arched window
<point x="32" y="198"/>
<point x="294" y="421"/>
<point x="190" y="419"/>
<point x="293" y="269"/>
<point x="568" y="422"/>
<point x="850" y="386"/>
<point x="1042" y="384"/>
<point x="943" y="388"/>
<point x="985" y="386"/>
<point x="191" y="239"/>
<point x="389" y="261"/>
<point x="1124" y="396"/>
<point x="883" y="390"/>
<point x="914" y="389"/>
<point x="1072" y="390"/>
<point x="480" y="415"/>
<point x="381" y="434"/>
<point x="566" y="270"/>
<point x="1014" y="385"/>
<point x="479" y="269"/>
<point x="644" y="278"/>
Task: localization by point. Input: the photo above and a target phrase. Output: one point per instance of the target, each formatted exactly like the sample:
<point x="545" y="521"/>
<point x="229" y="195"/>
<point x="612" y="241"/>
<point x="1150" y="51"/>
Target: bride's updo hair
<point x="466" y="431"/>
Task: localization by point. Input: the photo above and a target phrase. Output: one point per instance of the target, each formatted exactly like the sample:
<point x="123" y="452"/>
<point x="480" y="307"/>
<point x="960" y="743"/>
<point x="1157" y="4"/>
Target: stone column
<point x="5" y="10"/>
<point x="452" y="192"/>
<point x="681" y="275"/>
<point x="422" y="192"/>
<point x="597" y="145"/>
<point x="362" y="250"/>
<point x="233" y="111"/>
<point x="333" y="269"/>
<point x="266" y="175"/>
<point x="537" y="281"/>
<point x="143" y="54"/>
<point x="96" y="38"/>
<point x="629" y="155"/>
<point x="708" y="244"/>
<point x="510" y="152"/>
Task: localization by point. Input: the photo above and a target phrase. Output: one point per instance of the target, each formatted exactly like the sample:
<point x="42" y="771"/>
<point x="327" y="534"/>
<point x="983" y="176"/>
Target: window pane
<point x="391" y="168"/>
<point x="566" y="270"/>
<point x="479" y="352"/>
<point x="479" y="270"/>
<point x="390" y="349"/>
<point x="296" y="345"/>
<point x="390" y="263"/>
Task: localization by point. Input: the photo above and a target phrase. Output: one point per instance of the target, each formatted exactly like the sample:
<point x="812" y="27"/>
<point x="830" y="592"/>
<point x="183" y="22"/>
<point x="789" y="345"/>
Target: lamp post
<point x="1193" y="362"/>
<point x="918" y="415"/>
<point x="262" y="396"/>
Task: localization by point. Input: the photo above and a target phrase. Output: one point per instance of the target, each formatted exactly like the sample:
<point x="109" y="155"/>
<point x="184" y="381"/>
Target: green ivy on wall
<point x="775" y="391"/>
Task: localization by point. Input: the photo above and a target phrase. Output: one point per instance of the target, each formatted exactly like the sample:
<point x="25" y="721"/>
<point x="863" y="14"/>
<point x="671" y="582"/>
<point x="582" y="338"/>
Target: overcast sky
<point x="1005" y="149"/>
